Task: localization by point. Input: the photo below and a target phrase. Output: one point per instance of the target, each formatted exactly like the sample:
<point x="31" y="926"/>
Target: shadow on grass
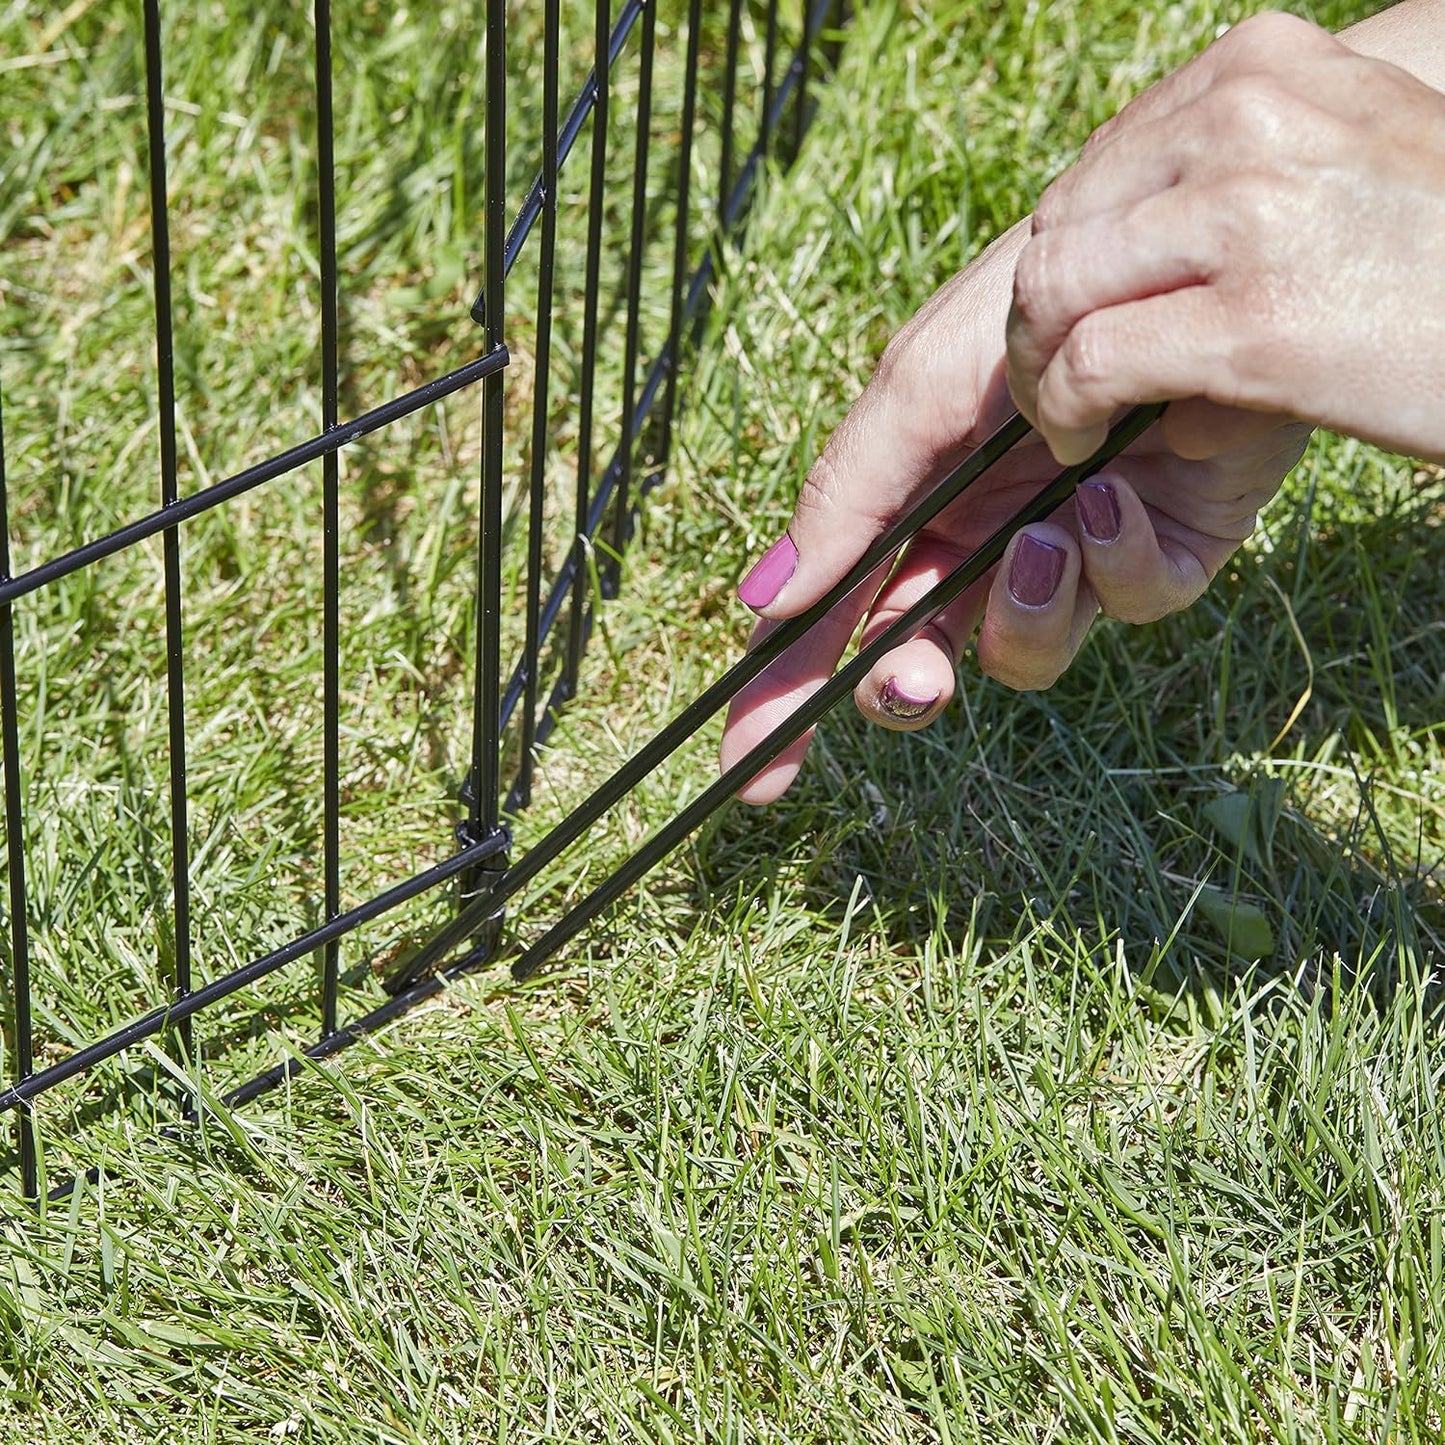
<point x="1247" y="782"/>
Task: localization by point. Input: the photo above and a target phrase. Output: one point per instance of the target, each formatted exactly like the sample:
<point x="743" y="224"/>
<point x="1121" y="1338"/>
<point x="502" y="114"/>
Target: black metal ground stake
<point x="1127" y="430"/>
<point x="974" y="566"/>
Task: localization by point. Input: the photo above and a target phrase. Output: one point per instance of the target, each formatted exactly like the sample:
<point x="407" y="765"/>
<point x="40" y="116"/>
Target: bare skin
<point x="1265" y="229"/>
<point x="1147" y="538"/>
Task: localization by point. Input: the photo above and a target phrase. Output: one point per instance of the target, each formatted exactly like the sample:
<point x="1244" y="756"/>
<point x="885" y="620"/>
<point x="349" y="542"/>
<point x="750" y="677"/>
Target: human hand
<point x="1263" y="229"/>
<point x="1143" y="539"/>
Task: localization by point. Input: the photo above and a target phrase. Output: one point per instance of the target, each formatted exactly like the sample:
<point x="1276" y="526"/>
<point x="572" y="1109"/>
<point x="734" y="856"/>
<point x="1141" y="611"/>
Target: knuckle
<point x="923" y="391"/>
<point x="1258" y="113"/>
<point x="900" y="369"/>
<point x="1251" y="213"/>
<point x="1046" y="213"/>
<point x="1260" y="352"/>
<point x="1253" y="356"/>
<point x="1086" y="357"/>
<point x="1290" y="444"/>
<point x="1033" y="288"/>
<point x="821" y="493"/>
<point x="1018" y="667"/>
<point x="1100" y="136"/>
<point x="1021" y="678"/>
<point x="1139" y="605"/>
<point x="1270" y="32"/>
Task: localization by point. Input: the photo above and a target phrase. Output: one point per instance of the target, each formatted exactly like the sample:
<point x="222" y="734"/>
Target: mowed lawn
<point x="1068" y="1072"/>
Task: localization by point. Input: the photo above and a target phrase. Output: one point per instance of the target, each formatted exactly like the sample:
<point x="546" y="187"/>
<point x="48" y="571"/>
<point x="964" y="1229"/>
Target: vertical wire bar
<point x="331" y="510"/>
<point x="166" y="399"/>
<point x="484" y="804"/>
<point x="24" y="1048"/>
<point x="832" y="44"/>
<point x="592" y="286"/>
<point x="770" y="60"/>
<point x="622" y="514"/>
<point x="551" y="46"/>
<point x="800" y="100"/>
<point x="730" y="95"/>
<point x="680" y="230"/>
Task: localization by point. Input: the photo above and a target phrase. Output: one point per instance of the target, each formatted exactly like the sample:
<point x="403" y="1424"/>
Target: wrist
<point x="1410" y="35"/>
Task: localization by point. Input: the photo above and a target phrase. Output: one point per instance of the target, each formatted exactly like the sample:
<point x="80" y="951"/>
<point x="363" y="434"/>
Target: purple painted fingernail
<point x="1098" y="510"/>
<point x="898" y="702"/>
<point x="770" y="574"/>
<point x="1037" y="569"/>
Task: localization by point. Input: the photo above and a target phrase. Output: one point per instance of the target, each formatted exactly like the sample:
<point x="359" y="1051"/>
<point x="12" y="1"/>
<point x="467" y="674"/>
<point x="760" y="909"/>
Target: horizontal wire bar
<point x="269" y="1079"/>
<point x="298" y="456"/>
<point x="157" y="1019"/>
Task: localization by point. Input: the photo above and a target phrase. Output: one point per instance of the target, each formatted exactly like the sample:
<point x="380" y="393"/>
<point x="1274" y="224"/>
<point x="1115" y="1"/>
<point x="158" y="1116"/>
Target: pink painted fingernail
<point x="899" y="703"/>
<point x="1098" y="510"/>
<point x="770" y="574"/>
<point x="1036" y="571"/>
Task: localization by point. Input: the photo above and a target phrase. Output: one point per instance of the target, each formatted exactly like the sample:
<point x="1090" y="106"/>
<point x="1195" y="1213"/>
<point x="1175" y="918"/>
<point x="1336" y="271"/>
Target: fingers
<point x="1124" y="161"/>
<point x="764" y="704"/>
<point x="1050" y="585"/>
<point x="940" y="383"/>
<point x="1136" y="574"/>
<point x="1114" y="555"/>
<point x="1158" y="102"/>
<point x="1039" y="610"/>
<point x="1157" y="349"/>
<point x="910" y="686"/>
<point x="1135" y="153"/>
<point x="1184" y="189"/>
<point x="1145" y="148"/>
<point x="936" y="389"/>
<point x="1199" y="430"/>
<point x="1064" y="275"/>
<point x="782" y="687"/>
<point x="1053" y="580"/>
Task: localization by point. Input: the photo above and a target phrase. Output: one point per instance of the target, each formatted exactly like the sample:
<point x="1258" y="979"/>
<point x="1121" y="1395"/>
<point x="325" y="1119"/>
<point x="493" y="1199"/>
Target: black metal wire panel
<point x="699" y="155"/>
<point x="548" y="535"/>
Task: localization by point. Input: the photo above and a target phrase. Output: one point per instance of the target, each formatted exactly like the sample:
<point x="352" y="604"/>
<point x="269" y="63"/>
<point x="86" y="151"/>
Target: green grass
<point x="1068" y="1072"/>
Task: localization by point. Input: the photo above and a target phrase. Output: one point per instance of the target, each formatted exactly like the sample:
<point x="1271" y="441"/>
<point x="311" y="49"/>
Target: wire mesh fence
<point x="236" y="815"/>
<point x="600" y="158"/>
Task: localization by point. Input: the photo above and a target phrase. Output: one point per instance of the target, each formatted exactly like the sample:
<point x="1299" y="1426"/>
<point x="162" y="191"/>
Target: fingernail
<point x="897" y="702"/>
<point x="1036" y="571"/>
<point x="1098" y="510"/>
<point x="770" y="574"/>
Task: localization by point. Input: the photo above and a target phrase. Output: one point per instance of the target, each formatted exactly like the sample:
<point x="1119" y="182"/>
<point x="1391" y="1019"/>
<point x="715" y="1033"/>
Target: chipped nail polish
<point x="1036" y="571"/>
<point x="770" y="574"/>
<point x="1098" y="510"/>
<point x="899" y="703"/>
